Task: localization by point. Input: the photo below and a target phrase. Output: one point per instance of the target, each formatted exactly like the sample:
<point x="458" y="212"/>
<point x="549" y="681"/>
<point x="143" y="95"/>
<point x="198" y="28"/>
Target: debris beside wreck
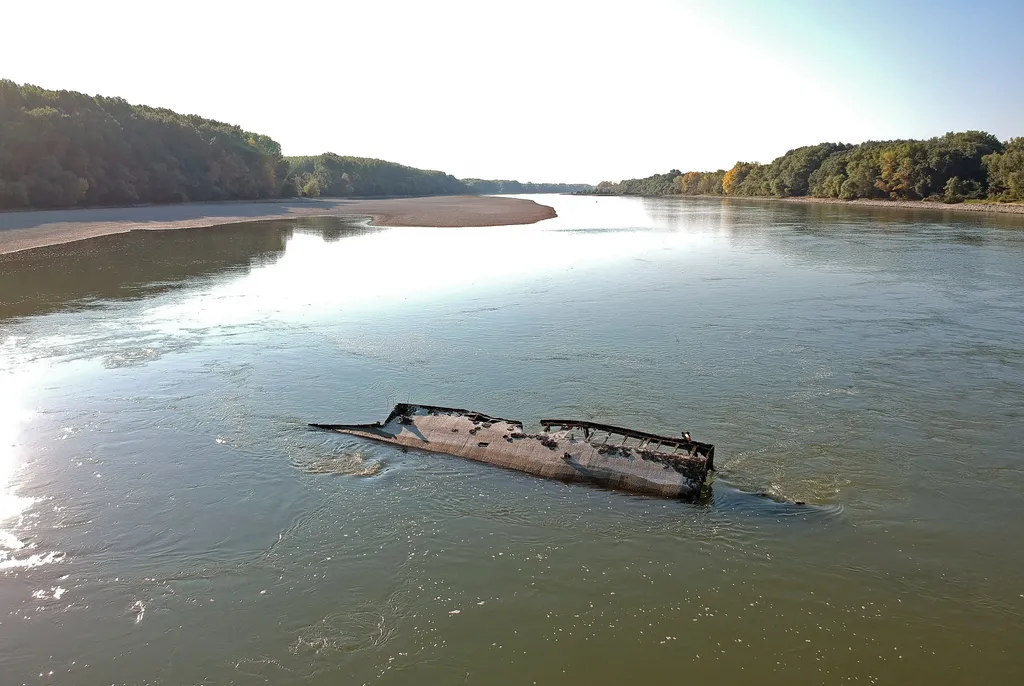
<point x="568" y="450"/>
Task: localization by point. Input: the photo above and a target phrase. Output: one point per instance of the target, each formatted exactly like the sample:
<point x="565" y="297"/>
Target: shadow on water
<point x="138" y="264"/>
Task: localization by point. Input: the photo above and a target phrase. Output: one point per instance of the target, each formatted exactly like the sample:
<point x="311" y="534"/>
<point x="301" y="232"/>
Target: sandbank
<point x="38" y="228"/>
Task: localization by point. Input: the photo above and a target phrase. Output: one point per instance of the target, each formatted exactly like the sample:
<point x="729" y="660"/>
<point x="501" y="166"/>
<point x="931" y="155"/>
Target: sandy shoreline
<point x="35" y="229"/>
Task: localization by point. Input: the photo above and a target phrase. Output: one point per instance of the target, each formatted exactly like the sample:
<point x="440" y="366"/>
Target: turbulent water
<point x="167" y="518"/>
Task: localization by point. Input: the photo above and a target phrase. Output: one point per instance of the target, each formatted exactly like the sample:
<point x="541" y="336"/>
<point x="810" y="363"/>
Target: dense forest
<point x="971" y="165"/>
<point x="337" y="176"/>
<point x="59" y="149"/>
<point x="67" y="149"/>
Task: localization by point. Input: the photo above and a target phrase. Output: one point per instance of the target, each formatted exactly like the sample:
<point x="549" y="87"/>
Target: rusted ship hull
<point x="568" y="450"/>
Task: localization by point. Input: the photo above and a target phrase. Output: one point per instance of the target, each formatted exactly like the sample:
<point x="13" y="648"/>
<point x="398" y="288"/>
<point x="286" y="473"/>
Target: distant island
<point x="954" y="168"/>
<point x="62" y="149"/>
<point x="338" y="176"/>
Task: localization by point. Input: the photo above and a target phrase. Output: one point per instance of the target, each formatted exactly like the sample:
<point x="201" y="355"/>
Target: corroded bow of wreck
<point x="568" y="450"/>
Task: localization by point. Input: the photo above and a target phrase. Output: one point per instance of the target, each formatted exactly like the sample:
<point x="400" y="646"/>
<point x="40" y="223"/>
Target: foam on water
<point x="8" y="561"/>
<point x="350" y="463"/>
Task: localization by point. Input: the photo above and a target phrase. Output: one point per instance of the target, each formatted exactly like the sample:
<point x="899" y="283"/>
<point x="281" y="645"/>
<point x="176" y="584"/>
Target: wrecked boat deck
<point x="566" y="449"/>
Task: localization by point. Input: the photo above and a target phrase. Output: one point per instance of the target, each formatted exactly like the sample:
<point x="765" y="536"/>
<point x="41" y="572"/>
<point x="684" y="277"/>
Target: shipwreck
<point x="565" y="449"/>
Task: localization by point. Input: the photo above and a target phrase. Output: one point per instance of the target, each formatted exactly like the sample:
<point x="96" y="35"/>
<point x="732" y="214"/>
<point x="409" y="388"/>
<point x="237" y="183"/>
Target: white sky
<point x="540" y="90"/>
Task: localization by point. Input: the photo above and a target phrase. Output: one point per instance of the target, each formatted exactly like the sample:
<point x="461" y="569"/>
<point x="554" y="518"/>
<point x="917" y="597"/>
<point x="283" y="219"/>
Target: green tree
<point x="1005" y="172"/>
<point x="735" y="177"/>
<point x="898" y="170"/>
<point x="312" y="188"/>
<point x="63" y="149"/>
<point x="789" y="175"/>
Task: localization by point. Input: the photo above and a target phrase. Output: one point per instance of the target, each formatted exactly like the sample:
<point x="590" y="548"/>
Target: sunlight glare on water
<point x="402" y="265"/>
<point x="13" y="415"/>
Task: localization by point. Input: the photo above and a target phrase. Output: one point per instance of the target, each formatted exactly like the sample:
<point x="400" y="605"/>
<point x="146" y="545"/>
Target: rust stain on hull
<point x="567" y="450"/>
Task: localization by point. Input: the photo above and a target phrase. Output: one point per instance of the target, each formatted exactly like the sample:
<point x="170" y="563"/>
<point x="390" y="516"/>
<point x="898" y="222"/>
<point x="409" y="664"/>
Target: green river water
<point x="167" y="518"/>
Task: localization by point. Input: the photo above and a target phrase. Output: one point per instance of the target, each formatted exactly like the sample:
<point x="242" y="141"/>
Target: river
<point x="167" y="518"/>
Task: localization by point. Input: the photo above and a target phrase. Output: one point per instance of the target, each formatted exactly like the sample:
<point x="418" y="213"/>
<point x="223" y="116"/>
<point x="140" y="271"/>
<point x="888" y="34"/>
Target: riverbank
<point x="990" y="207"/>
<point x="35" y="229"/>
<point x="997" y="207"/>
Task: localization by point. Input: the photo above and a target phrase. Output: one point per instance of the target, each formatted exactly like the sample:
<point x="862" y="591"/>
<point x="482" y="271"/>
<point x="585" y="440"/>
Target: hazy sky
<point x="543" y="90"/>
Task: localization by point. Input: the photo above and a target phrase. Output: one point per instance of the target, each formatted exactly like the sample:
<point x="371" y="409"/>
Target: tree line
<point x="969" y="165"/>
<point x="68" y="149"/>
<point x="61" y="149"/>
<point x="499" y="187"/>
<point x="339" y="176"/>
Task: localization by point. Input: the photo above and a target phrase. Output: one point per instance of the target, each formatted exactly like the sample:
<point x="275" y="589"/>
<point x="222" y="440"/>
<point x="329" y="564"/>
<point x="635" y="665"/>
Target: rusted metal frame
<point x="402" y="409"/>
<point x="693" y="448"/>
<point x="617" y="430"/>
